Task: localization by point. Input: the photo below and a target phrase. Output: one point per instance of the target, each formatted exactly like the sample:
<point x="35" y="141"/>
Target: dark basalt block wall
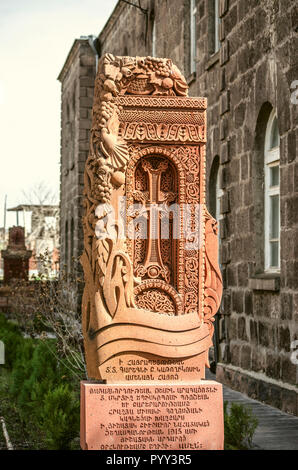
<point x="251" y="74"/>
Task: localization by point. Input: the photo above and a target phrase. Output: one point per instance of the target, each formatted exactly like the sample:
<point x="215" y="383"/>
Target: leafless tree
<point x="41" y="201"/>
<point x="41" y="193"/>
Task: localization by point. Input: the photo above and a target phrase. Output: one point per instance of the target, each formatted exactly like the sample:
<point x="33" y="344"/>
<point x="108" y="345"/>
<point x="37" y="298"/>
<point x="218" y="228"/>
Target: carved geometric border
<point x="162" y="102"/>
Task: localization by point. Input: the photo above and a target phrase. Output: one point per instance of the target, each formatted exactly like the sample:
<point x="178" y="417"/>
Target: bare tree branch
<point x="44" y="306"/>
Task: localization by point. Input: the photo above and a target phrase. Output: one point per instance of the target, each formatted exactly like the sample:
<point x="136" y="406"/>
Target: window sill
<point x="265" y="281"/>
<point x="191" y="78"/>
<point x="212" y="61"/>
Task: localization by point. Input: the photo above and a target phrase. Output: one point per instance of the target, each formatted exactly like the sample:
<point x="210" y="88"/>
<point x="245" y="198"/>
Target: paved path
<point x="276" y="430"/>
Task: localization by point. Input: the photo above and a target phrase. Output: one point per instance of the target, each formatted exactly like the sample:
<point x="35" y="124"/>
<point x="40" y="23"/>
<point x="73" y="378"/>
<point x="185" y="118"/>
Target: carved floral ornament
<point x="147" y="293"/>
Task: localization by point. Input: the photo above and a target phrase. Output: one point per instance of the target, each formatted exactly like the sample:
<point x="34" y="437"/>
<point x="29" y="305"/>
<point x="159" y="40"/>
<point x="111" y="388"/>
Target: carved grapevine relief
<point x="150" y="260"/>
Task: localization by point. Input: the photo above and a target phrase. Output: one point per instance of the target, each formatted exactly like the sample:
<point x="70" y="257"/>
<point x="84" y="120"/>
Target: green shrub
<point x="39" y="375"/>
<point x="22" y="366"/>
<point x="40" y="388"/>
<point x="61" y="417"/>
<point x="239" y="425"/>
<point x="11" y="336"/>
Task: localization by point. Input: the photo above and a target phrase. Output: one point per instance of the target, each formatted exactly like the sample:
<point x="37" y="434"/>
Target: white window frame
<point x="218" y="215"/>
<point x="153" y="52"/>
<point x="218" y="194"/>
<point x="271" y="159"/>
<point x="193" y="41"/>
<point x="216" y="26"/>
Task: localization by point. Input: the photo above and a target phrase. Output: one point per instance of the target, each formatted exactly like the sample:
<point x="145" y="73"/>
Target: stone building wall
<point x="251" y="74"/>
<point x="255" y="69"/>
<point x="77" y="88"/>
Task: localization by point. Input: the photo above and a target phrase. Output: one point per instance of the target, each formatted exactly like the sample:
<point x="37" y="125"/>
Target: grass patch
<point x="23" y="435"/>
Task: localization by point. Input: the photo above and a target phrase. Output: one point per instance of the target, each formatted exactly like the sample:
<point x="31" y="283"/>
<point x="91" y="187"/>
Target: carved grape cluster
<point x="102" y="192"/>
<point x="101" y="188"/>
<point x="160" y="67"/>
<point x="107" y="109"/>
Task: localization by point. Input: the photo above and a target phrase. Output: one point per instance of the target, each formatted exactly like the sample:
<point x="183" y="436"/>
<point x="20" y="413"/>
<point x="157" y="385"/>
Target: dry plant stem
<point x="54" y="304"/>
<point x="5" y="433"/>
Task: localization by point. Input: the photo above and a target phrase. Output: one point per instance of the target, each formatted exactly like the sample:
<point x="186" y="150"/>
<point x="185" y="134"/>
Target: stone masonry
<point x="252" y="73"/>
<point x="77" y="80"/>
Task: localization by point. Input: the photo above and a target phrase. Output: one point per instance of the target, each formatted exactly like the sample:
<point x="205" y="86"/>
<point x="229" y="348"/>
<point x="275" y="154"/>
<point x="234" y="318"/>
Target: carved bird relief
<point x="113" y="148"/>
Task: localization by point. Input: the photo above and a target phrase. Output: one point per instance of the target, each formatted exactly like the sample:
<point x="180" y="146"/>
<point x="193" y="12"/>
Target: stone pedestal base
<point x="152" y="417"/>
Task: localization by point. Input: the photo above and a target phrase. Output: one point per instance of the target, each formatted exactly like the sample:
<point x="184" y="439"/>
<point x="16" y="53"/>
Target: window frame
<point x="216" y="26"/>
<point x="153" y="38"/>
<point x="193" y="37"/>
<point x="271" y="159"/>
<point x="218" y="195"/>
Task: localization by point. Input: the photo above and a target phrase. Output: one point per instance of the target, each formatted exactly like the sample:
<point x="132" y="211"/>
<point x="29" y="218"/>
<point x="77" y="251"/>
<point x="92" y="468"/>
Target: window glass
<point x="274" y="175"/>
<point x="216" y="26"/>
<point x="274" y="254"/>
<point x="274" y="222"/>
<point x="274" y="138"/>
<point x="272" y="195"/>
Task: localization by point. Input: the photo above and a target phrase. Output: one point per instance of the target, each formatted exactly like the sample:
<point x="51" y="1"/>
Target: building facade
<point x="77" y="88"/>
<point x="241" y="55"/>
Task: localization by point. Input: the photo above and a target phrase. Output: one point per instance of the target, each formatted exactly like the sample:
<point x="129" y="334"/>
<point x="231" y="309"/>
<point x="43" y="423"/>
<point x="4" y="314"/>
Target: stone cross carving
<point x="152" y="281"/>
<point x="154" y="199"/>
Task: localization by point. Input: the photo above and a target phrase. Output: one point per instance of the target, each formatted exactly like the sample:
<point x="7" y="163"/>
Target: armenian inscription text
<point x="153" y="417"/>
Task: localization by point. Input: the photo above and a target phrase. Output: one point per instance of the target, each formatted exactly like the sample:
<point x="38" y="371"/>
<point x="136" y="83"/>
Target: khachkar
<point x="152" y="281"/>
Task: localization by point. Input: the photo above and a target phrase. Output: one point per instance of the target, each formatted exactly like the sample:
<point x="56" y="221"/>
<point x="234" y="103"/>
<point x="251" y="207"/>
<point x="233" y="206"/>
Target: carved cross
<point x="154" y="201"/>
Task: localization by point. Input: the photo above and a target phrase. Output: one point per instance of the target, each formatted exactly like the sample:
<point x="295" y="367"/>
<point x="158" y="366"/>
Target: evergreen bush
<point x="61" y="417"/>
<point x="41" y="387"/>
<point x="239" y="427"/>
<point x="12" y="338"/>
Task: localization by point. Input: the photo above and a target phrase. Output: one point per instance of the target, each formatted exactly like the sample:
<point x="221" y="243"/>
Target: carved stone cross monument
<point x="152" y="281"/>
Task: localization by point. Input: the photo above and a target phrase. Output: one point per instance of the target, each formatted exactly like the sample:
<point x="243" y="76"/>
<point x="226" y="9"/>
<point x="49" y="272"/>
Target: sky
<point x="35" y="38"/>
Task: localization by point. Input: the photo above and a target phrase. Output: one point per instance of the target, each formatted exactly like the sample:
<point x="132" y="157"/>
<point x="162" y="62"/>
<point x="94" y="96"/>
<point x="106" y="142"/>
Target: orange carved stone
<point x="152" y="281"/>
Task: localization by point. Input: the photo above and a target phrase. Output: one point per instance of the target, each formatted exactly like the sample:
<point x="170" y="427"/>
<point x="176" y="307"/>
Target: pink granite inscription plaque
<point x="152" y="417"/>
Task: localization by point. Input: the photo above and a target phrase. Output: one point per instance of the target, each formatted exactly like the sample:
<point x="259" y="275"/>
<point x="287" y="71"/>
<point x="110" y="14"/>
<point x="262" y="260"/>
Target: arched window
<point x="271" y="195"/>
<point x="215" y="194"/>
<point x="215" y="191"/>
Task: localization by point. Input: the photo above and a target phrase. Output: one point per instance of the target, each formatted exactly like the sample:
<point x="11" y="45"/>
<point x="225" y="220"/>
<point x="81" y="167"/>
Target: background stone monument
<point x="152" y="281"/>
<point x="16" y="256"/>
